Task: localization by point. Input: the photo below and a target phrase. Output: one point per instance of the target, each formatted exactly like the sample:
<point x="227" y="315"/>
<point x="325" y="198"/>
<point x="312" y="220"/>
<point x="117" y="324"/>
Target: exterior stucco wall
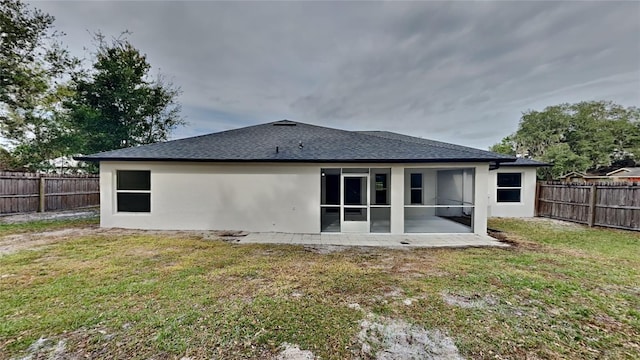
<point x="253" y="197"/>
<point x="218" y="196"/>
<point x="526" y="206"/>
<point x="481" y="202"/>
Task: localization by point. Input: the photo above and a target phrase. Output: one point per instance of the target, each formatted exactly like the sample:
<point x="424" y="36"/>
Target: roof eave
<point x="404" y="161"/>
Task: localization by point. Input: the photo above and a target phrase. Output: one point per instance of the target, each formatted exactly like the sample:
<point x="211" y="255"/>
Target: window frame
<point x="412" y="189"/>
<point x="519" y="188"/>
<point x="382" y="190"/>
<point x="119" y="191"/>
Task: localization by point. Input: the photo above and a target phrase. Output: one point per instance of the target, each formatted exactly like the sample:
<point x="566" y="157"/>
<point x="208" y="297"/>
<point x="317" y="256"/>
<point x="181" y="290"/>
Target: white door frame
<point x="355" y="226"/>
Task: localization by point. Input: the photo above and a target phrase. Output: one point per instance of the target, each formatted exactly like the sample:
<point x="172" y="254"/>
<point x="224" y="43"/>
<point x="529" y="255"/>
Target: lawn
<point x="45" y="225"/>
<point x="559" y="292"/>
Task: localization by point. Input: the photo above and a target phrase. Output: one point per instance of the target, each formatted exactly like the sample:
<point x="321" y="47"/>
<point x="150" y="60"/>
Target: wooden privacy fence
<point x="615" y="205"/>
<point x="29" y="192"/>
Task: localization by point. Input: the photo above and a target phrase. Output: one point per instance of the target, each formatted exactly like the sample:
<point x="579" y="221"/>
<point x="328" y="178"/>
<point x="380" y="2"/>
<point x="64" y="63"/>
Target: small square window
<point x="508" y="195"/>
<point x="381" y="181"/>
<point x="416" y="181"/>
<point x="416" y="196"/>
<point x="134" y="202"/>
<point x="134" y="180"/>
<point x="509" y="187"/>
<point x="509" y="179"/>
<point x="133" y="191"/>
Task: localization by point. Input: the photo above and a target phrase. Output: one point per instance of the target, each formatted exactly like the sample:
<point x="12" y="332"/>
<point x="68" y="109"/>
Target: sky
<point x="460" y="72"/>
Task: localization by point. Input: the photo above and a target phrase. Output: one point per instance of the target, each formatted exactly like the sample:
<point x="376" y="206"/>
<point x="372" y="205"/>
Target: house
<point x="628" y="174"/>
<point x="579" y="177"/>
<point x="64" y="165"/>
<point x="288" y="176"/>
<point x="512" y="188"/>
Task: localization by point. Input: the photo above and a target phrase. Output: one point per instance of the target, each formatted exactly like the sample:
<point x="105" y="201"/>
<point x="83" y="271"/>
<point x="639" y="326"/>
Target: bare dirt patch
<point x="231" y="236"/>
<point x="517" y="243"/>
<point x="325" y="249"/>
<point x="54" y="215"/>
<point x="555" y="224"/>
<point x="500" y="236"/>
<point x="474" y="301"/>
<point x="384" y="339"/>
<point x="13" y="243"/>
<point x="293" y="352"/>
<point x="47" y="349"/>
<point x="32" y="241"/>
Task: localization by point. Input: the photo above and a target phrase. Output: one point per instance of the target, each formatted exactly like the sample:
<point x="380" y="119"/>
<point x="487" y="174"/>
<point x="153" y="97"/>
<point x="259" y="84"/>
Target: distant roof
<point x="625" y="172"/>
<point x="525" y="162"/>
<point x="289" y="141"/>
<point x="573" y="174"/>
<point x="576" y="174"/>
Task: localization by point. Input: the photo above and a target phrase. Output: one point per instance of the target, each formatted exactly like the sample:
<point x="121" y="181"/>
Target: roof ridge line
<point x="465" y="148"/>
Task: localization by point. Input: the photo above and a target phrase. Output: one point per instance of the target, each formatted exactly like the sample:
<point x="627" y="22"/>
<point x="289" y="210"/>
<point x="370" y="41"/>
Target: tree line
<point x="589" y="136"/>
<point x="53" y="104"/>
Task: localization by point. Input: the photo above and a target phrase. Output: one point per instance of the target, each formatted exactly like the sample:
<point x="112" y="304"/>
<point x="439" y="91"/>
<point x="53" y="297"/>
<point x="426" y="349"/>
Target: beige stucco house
<point x="293" y="177"/>
<point x="512" y="188"/>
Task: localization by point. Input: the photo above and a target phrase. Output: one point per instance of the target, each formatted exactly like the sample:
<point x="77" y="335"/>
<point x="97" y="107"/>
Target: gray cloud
<point x="454" y="71"/>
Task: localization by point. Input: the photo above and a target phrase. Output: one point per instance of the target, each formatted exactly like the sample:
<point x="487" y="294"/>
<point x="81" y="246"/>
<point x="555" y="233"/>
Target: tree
<point x="6" y="161"/>
<point x="32" y="69"/>
<point x="507" y="146"/>
<point x="48" y="136"/>
<point x="576" y="137"/>
<point x="117" y="104"/>
<point x="564" y="160"/>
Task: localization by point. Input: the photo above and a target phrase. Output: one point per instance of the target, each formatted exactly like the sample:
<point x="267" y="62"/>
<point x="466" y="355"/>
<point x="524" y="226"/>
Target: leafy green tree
<point x="6" y="160"/>
<point x="118" y="105"/>
<point x="577" y="137"/>
<point x="564" y="160"/>
<point x="33" y="66"/>
<point x="48" y="136"/>
<point x="507" y="146"/>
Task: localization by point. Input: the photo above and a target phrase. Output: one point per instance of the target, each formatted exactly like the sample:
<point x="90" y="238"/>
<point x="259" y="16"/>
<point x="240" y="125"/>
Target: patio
<point x="379" y="240"/>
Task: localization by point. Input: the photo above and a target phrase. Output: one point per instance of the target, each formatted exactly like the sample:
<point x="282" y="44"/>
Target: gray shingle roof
<point x="288" y="141"/>
<point x="625" y="172"/>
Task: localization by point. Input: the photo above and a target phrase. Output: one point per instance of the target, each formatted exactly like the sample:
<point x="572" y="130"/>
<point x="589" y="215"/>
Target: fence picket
<point x="21" y="192"/>
<point x="615" y="205"/>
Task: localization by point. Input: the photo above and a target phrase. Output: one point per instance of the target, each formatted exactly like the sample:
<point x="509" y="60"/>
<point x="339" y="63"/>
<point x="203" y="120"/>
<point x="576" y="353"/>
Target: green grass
<point x="45" y="225"/>
<point x="565" y="292"/>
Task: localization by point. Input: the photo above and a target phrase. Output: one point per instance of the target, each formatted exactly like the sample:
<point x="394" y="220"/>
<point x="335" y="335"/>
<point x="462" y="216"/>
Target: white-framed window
<point x="416" y="188"/>
<point x="381" y="189"/>
<point x="133" y="191"/>
<point x="509" y="187"/>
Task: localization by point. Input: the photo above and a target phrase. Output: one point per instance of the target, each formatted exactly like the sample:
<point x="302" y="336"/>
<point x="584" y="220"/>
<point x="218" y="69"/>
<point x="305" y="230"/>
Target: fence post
<point x="592" y="204"/>
<point x="536" y="206"/>
<point x="41" y="193"/>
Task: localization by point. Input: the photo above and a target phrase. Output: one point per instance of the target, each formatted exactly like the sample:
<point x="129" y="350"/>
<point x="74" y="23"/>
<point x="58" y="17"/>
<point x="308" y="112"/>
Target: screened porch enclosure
<point x="355" y="200"/>
<point x="428" y="200"/>
<point x="438" y="200"/>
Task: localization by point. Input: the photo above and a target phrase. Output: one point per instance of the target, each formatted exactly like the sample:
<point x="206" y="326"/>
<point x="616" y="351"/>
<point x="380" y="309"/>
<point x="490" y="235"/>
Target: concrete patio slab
<point x="379" y="240"/>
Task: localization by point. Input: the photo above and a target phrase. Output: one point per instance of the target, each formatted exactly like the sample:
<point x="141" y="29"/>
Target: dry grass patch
<point x="168" y="295"/>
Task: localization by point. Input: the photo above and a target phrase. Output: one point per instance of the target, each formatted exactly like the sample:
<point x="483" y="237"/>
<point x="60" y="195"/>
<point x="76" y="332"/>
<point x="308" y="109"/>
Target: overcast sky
<point x="461" y="72"/>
